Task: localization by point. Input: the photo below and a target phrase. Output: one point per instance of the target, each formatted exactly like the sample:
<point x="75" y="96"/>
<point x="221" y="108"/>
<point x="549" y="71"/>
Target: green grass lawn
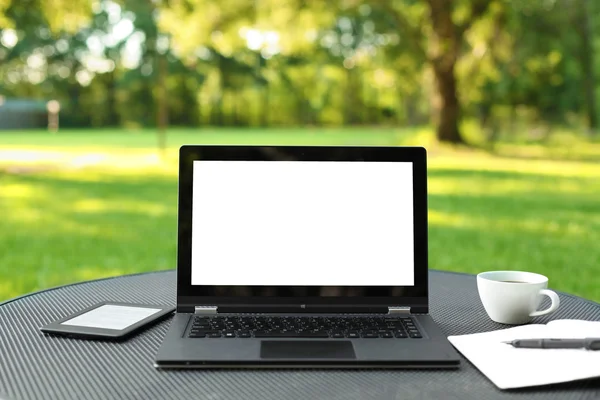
<point x="81" y="205"/>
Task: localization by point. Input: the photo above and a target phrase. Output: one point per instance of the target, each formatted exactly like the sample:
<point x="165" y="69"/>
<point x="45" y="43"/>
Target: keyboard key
<point x="387" y="335"/>
<point x="244" y="334"/>
<point x="370" y="335"/>
<point x="400" y="334"/>
<point x="337" y="335"/>
<point x="353" y="335"/>
<point x="203" y="331"/>
<point x="228" y="334"/>
<point x="415" y="335"/>
<point x="195" y="335"/>
<point x="288" y="334"/>
<point x="214" y="335"/>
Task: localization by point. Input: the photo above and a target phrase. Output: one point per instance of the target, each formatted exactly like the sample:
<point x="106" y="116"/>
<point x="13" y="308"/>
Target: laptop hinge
<point x="398" y="310"/>
<point x="205" y="310"/>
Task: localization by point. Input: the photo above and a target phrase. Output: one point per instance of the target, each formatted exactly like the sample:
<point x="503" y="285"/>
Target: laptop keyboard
<point x="352" y="327"/>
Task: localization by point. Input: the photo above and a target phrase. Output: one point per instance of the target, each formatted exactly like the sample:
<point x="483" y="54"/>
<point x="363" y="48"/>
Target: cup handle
<point x="555" y="303"/>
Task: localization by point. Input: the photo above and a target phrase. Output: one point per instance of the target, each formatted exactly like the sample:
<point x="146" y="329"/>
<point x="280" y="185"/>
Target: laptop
<point x="303" y="257"/>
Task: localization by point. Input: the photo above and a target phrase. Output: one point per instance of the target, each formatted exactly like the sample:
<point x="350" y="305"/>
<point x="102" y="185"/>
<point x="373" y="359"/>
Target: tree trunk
<point x="351" y="100"/>
<point x="412" y="116"/>
<point x="444" y="55"/>
<point x="162" y="102"/>
<point x="449" y="113"/>
<point x="111" y="87"/>
<point x="587" y="61"/>
<point x="264" y="116"/>
<point x="264" y="92"/>
<point x="218" y="107"/>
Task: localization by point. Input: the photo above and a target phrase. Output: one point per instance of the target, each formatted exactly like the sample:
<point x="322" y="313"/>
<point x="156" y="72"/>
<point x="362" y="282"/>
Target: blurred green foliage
<point x="137" y="63"/>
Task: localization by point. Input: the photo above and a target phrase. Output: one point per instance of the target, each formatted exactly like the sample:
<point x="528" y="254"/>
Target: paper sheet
<point x="509" y="367"/>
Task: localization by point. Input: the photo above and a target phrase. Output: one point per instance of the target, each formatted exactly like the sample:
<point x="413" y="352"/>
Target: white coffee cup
<point x="512" y="297"/>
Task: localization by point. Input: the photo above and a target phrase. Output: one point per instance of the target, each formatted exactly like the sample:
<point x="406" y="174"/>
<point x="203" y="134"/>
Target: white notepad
<point x="508" y="367"/>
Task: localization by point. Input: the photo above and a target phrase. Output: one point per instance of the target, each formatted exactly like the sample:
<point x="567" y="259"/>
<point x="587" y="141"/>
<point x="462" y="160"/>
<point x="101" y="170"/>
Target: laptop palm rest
<point x="306" y="349"/>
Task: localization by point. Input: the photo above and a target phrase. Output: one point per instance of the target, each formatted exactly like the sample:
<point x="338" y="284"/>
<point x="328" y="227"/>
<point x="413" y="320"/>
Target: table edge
<point x="3" y="303"/>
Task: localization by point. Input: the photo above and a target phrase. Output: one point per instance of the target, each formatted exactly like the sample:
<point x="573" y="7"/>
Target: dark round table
<point x="34" y="366"/>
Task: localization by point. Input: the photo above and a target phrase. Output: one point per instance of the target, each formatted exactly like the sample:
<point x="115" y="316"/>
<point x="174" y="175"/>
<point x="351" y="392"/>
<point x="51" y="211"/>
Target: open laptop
<point x="303" y="257"/>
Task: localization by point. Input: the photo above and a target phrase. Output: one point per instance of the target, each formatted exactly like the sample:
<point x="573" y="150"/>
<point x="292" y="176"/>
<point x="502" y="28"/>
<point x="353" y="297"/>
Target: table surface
<point x="33" y="366"/>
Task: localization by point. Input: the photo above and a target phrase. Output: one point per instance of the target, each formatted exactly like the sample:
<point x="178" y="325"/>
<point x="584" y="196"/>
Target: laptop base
<point x="432" y="351"/>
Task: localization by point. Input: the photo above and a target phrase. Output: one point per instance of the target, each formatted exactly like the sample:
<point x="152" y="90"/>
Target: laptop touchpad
<point x="307" y="349"/>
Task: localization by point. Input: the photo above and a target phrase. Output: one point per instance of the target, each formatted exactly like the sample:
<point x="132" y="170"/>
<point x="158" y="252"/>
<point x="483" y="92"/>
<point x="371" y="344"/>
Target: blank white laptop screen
<point x="299" y="223"/>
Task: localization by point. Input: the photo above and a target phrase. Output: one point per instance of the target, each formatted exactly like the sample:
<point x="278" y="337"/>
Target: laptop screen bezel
<point x="191" y="295"/>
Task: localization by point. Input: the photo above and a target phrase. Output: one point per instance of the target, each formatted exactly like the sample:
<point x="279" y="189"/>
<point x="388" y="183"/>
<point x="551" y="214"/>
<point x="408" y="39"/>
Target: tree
<point x="547" y="75"/>
<point x="583" y="22"/>
<point x="155" y="55"/>
<point x="4" y="21"/>
<point x="287" y="62"/>
<point x="444" y="23"/>
<point x="61" y="15"/>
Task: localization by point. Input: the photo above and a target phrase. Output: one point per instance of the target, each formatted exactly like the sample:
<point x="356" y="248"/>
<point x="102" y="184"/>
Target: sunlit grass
<point x="503" y="213"/>
<point x="78" y="206"/>
<point x="71" y="226"/>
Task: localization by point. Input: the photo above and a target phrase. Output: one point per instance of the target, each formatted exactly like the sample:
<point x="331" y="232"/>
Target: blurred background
<point x="96" y="96"/>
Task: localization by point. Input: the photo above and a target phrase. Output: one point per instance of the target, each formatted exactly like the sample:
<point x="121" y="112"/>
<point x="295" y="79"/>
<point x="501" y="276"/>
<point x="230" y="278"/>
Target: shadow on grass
<point x="501" y="174"/>
<point x="570" y="158"/>
<point x="580" y="150"/>
<point x="491" y="190"/>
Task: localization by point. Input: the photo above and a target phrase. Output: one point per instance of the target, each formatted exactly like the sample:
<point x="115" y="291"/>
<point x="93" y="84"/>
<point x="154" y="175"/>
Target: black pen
<point x="587" y="343"/>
